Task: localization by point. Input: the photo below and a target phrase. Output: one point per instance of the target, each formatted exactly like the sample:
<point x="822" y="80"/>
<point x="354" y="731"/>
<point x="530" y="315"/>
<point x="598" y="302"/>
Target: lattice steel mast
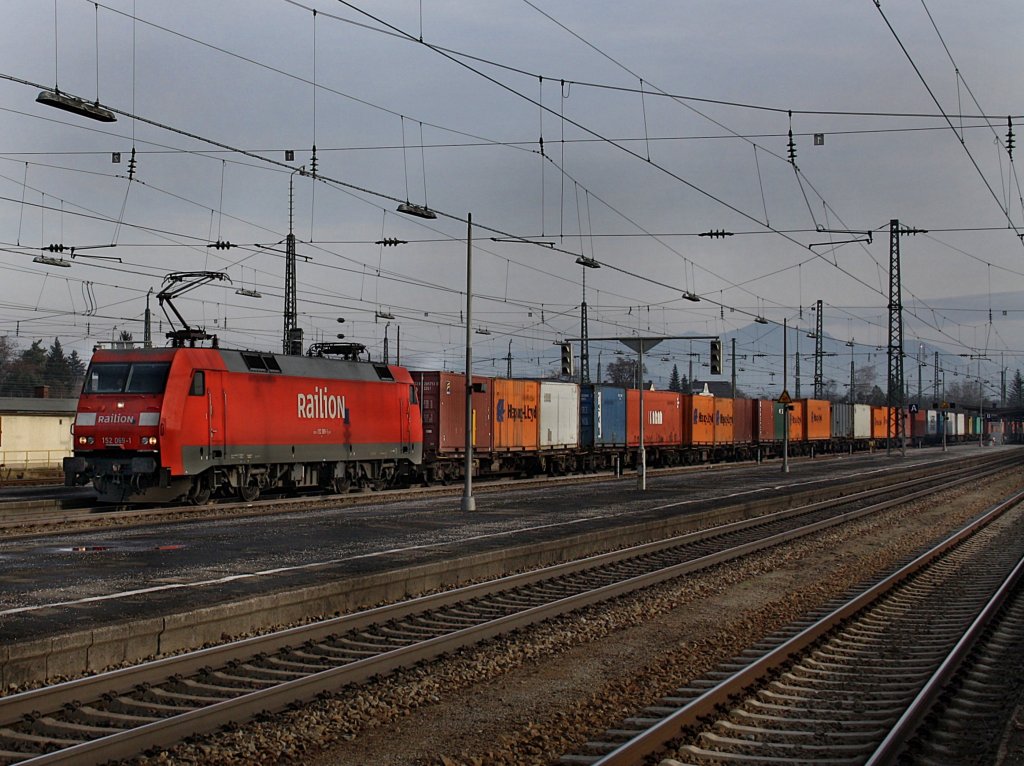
<point x="819" y="383"/>
<point x="292" y="341"/>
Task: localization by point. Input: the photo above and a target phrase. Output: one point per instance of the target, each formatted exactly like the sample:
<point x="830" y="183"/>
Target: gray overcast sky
<point x="455" y="123"/>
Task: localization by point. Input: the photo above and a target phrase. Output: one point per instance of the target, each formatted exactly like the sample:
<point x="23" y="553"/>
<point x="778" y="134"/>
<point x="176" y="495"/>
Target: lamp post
<point x="944" y="415"/>
<point x="586" y="263"/>
<point x="468" y="501"/>
<point x="640" y="345"/>
<point x="422" y="211"/>
<point x="785" y="389"/>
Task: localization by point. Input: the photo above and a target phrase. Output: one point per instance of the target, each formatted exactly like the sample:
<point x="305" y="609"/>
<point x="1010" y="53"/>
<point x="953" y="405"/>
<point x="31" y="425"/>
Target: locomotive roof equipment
<point x="178" y="283"/>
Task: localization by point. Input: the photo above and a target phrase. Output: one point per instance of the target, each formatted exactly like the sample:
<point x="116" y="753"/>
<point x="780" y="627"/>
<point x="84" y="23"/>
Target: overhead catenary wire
<point x="589" y="234"/>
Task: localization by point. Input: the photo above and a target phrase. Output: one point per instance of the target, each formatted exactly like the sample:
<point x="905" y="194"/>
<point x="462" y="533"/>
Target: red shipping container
<point x="443" y="404"/>
<point x="817" y="419"/>
<point x="662" y="417"/>
<point x="765" y="411"/>
<point x="918" y="424"/>
<point x="515" y="415"/>
<point x="698" y="419"/>
<point x="743" y="411"/>
<point x="724" y="421"/>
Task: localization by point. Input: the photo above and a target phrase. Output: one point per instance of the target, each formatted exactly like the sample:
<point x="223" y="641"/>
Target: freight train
<point x="186" y="424"/>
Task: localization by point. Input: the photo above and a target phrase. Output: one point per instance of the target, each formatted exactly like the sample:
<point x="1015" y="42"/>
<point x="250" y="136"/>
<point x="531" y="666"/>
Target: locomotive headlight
<point x="82" y="440"/>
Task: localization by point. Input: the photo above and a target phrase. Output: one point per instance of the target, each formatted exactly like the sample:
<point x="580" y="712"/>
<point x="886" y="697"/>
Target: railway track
<point x="124" y="712"/>
<point x="33" y="516"/>
<point x="860" y="684"/>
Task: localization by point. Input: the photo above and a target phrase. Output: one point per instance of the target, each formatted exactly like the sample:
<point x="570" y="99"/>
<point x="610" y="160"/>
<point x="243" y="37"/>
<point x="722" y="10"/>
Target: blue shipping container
<point x="602" y="415"/>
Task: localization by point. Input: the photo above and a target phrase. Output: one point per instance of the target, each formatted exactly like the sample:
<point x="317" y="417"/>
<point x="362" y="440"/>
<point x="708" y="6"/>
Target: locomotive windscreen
<point x="127" y="378"/>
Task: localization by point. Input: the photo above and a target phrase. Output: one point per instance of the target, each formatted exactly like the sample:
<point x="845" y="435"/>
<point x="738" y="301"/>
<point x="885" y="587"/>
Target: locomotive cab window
<point x="198" y="387"/>
<point x="127" y="378"/>
<point x="147" y="378"/>
<point x="106" y="378"/>
<point x="412" y="395"/>
<point x="383" y="372"/>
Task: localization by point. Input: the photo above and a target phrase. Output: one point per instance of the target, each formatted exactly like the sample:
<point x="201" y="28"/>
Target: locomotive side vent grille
<point x="260" y="362"/>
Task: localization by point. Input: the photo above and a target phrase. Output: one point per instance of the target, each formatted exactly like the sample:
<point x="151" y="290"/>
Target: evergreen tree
<point x="22" y="374"/>
<point x="26" y="372"/>
<point x="76" y="365"/>
<point x="674" y="384"/>
<point x="56" y="374"/>
<point x="1016" y="392"/>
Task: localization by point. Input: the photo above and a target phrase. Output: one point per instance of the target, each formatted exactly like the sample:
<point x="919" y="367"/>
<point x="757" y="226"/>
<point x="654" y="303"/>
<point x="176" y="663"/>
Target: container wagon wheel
<point x="248" y="492"/>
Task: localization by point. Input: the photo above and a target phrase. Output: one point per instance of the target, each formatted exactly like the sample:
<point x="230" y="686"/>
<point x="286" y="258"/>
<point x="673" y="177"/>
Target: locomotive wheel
<point x="248" y="492"/>
<point x="342" y="485"/>
<point x="200" y="495"/>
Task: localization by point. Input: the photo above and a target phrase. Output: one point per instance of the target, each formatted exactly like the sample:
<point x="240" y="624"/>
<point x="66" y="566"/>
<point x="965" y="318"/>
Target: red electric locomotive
<point x="171" y="424"/>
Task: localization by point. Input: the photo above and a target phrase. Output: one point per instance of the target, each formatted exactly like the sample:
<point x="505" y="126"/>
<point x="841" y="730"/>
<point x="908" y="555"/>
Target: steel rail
<point x="908" y="724"/>
<point x="656" y="738"/>
<point x="171" y="729"/>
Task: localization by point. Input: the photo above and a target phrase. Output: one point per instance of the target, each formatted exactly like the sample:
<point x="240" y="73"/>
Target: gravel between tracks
<point x="528" y="698"/>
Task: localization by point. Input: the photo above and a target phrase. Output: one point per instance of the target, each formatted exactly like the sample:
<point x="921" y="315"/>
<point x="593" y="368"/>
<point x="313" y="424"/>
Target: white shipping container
<point x="932" y="423"/>
<point x="950" y="423"/>
<point x="559" y="415"/>
<point x="961" y="424"/>
<point x="862" y="421"/>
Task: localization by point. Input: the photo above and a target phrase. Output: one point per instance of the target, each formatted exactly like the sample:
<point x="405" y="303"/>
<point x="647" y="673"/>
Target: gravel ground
<point x="528" y="698"/>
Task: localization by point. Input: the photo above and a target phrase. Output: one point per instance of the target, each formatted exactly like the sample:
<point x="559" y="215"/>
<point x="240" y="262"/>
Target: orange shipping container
<point x="698" y="419"/>
<point x="516" y="416"/>
<point x="881" y="426"/>
<point x="797" y="420"/>
<point x="817" y="419"/>
<point x="662" y="421"/>
<point x="724" y="429"/>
